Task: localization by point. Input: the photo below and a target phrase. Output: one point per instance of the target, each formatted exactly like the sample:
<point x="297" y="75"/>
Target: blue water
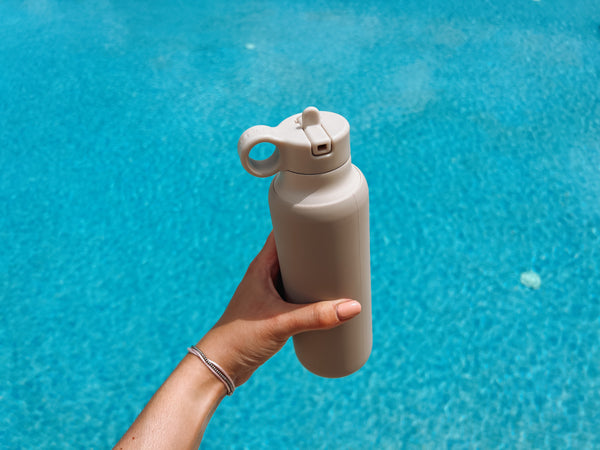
<point x="126" y="219"/>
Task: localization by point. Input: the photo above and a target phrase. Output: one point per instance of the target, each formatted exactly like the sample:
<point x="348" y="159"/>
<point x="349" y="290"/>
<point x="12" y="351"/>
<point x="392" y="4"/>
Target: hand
<point x="258" y="322"/>
<point x="255" y="325"/>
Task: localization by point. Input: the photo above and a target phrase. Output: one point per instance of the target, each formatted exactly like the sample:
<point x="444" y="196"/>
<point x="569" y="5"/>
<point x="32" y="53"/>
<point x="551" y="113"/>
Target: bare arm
<point x="255" y="326"/>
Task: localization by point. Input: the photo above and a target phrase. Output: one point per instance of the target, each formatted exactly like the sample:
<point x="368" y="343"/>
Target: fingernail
<point x="347" y="310"/>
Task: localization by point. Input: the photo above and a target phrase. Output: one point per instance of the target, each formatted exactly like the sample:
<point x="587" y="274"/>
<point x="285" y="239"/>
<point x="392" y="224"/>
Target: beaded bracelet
<point x="214" y="368"/>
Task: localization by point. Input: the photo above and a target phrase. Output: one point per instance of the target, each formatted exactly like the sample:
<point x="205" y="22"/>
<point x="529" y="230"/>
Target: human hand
<point x="255" y="325"/>
<point x="258" y="322"/>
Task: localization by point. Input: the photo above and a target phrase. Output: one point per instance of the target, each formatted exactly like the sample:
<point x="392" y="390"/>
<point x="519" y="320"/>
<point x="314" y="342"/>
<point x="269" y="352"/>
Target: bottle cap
<point x="309" y="143"/>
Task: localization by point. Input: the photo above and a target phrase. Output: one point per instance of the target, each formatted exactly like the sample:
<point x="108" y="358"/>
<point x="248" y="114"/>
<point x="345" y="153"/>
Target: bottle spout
<point x="320" y="142"/>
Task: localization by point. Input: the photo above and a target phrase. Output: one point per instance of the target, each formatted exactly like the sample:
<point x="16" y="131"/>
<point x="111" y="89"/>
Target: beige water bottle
<point x="319" y="204"/>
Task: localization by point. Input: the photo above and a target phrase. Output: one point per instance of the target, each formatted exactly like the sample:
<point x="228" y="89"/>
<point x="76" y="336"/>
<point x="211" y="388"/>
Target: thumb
<point x="319" y="315"/>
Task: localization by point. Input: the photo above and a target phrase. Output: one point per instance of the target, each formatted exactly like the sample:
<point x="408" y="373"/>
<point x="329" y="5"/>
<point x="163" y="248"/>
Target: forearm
<point x="178" y="413"/>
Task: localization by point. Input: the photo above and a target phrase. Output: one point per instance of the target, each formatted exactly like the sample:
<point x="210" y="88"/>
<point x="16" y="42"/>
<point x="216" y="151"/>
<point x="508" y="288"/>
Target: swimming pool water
<point x="126" y="219"/>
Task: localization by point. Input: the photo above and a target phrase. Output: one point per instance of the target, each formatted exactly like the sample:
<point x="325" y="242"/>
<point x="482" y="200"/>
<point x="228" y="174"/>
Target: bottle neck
<point x="302" y="185"/>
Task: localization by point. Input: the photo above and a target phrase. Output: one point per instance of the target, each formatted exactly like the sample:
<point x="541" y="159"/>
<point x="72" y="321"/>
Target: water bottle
<point x="319" y="203"/>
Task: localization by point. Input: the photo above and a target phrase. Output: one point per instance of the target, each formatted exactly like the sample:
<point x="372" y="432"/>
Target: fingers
<point x="267" y="258"/>
<point x="319" y="316"/>
<point x="269" y="249"/>
<point x="347" y="310"/>
<point x="299" y="318"/>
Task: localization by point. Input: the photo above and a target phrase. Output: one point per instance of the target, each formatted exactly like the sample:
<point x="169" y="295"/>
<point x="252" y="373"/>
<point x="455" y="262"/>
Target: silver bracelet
<point x="214" y="368"/>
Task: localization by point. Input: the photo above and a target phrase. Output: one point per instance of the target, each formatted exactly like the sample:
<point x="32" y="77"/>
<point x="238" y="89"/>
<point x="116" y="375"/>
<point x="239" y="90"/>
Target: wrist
<point x="215" y="368"/>
<point x="203" y="384"/>
<point x="217" y="347"/>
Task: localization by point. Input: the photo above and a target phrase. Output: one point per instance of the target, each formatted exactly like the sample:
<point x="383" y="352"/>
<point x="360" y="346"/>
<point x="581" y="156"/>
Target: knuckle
<point x="281" y="326"/>
<point x="325" y="316"/>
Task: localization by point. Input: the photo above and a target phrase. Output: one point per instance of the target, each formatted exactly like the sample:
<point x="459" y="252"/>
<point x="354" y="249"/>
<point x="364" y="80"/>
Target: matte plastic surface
<point x="321" y="227"/>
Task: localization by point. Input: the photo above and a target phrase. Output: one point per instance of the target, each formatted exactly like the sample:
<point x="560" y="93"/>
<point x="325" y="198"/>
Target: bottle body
<point x="321" y="228"/>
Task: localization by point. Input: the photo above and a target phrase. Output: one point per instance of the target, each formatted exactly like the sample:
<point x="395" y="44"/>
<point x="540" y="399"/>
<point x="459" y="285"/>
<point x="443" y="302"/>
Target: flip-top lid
<point x="309" y="143"/>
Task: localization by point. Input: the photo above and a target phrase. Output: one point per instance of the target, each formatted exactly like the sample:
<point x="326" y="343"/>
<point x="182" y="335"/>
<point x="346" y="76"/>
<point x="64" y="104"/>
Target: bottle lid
<point x="309" y="143"/>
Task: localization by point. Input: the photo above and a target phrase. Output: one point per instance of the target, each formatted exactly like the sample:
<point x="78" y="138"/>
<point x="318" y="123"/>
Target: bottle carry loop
<point x="252" y="137"/>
